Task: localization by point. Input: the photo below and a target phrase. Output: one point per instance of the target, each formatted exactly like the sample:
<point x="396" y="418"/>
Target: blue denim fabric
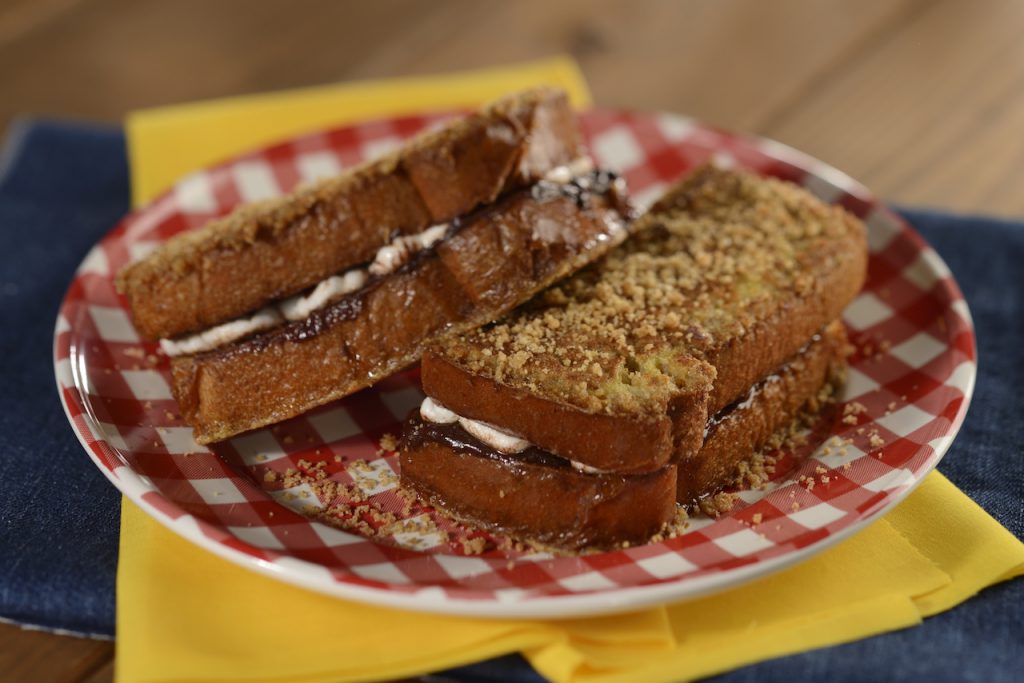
<point x="62" y="186"/>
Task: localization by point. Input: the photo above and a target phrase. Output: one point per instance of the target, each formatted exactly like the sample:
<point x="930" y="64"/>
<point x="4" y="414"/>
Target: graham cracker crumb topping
<point x="632" y="331"/>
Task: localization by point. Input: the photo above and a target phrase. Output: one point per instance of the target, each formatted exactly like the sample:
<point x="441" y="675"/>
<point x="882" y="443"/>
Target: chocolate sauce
<point x="579" y="189"/>
<point x="347" y="308"/>
<point x="418" y="431"/>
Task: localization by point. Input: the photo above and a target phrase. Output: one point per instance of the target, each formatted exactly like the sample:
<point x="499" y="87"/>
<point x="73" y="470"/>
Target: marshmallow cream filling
<point x="499" y="440"/>
<point x="387" y="260"/>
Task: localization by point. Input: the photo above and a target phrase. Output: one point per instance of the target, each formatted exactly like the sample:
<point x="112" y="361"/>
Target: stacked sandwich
<point x="286" y="305"/>
<point x="584" y="417"/>
<point x="600" y="403"/>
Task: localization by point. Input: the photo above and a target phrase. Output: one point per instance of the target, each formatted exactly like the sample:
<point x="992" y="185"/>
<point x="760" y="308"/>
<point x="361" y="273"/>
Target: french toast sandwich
<point x="674" y="357"/>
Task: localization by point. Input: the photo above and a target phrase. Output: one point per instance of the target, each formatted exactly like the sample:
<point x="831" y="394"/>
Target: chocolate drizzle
<point x="579" y="189"/>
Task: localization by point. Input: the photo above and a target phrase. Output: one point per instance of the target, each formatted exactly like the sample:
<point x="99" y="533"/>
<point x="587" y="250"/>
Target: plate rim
<point x="303" y="573"/>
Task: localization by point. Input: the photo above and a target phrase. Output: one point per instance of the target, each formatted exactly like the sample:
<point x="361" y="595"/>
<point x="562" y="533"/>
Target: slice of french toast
<point x="743" y="427"/>
<point x="533" y="494"/>
<point x="620" y="366"/>
<point x="271" y="250"/>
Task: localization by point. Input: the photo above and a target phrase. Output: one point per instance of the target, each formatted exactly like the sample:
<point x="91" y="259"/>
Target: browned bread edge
<point x="557" y="507"/>
<point x="741" y="429"/>
<point x="277" y="248"/>
<point x="838" y="275"/>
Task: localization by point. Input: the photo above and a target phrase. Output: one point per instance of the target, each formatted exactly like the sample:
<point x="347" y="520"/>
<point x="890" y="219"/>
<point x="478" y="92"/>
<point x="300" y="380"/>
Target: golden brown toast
<point x="538" y="496"/>
<point x="534" y="495"/>
<point x="277" y="248"/>
<point x="619" y="366"/>
<point x="494" y="259"/>
<point x="745" y="425"/>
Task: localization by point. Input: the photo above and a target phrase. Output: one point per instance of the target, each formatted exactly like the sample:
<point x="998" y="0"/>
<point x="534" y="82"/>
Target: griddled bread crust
<point x="273" y="249"/>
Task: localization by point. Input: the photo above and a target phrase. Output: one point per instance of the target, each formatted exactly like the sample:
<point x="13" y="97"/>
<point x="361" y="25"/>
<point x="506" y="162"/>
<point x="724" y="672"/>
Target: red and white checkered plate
<point x="913" y="373"/>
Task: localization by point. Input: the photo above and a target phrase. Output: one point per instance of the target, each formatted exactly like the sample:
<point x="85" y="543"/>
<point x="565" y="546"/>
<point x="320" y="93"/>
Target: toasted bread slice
<point x="542" y="497"/>
<point x="532" y="495"/>
<point x="495" y="259"/>
<point x="619" y="366"/>
<point x="274" y="249"/>
<point x="745" y="425"/>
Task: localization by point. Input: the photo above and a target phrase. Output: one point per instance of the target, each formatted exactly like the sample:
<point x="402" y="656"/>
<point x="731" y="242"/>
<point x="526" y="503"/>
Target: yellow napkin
<point x="166" y="143"/>
<point x="186" y="615"/>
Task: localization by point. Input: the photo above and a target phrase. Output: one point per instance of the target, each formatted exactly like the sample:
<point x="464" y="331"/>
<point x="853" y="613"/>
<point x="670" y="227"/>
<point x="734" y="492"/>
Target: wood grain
<point x="932" y="114"/>
<point x="922" y="100"/>
<point x="31" y="656"/>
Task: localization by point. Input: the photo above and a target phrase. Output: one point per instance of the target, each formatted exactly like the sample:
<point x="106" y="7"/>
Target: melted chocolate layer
<point x="418" y="431"/>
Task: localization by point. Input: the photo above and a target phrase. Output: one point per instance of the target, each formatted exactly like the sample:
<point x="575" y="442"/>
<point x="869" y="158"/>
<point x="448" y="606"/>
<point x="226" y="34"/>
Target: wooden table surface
<point x="921" y="100"/>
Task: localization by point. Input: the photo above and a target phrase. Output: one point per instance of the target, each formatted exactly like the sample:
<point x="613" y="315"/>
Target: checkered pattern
<point x="913" y="372"/>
